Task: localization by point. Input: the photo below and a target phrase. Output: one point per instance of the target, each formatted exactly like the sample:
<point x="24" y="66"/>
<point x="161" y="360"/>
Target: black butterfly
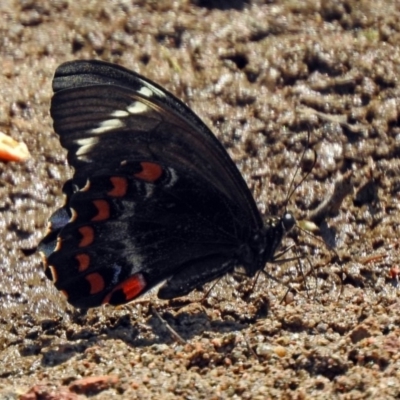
<point x="155" y="196"/>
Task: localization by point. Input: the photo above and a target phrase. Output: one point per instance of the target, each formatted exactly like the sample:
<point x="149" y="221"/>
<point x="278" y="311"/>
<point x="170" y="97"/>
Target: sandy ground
<point x="262" y="75"/>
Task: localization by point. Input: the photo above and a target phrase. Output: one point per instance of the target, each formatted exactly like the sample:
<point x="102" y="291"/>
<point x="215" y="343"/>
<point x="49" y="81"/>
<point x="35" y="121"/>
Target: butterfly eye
<point x="288" y="221"/>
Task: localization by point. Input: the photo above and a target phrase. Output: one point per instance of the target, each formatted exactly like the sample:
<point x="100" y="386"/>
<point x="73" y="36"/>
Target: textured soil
<point x="270" y="78"/>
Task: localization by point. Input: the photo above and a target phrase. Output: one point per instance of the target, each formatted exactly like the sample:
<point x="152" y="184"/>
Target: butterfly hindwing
<point x="124" y="225"/>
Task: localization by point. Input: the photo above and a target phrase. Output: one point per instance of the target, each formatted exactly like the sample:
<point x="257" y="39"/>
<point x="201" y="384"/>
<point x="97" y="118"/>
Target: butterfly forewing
<point x="105" y="112"/>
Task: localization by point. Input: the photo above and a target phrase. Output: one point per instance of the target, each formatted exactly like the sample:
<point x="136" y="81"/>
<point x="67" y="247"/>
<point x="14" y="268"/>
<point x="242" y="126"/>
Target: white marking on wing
<point x="108" y="125"/>
<point x="117" y="271"/>
<point x="173" y="178"/>
<point x="85" y="145"/>
<point x="119" y="113"/>
<point x="145" y="91"/>
<point x="137" y="108"/>
<point x="74" y="215"/>
<point x="154" y="90"/>
<point x="149" y="187"/>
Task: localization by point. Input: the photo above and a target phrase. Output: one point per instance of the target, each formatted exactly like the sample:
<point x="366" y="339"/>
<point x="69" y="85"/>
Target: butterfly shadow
<point x="86" y="331"/>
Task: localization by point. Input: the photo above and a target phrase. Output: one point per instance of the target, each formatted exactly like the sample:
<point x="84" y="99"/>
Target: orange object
<point x="11" y="150"/>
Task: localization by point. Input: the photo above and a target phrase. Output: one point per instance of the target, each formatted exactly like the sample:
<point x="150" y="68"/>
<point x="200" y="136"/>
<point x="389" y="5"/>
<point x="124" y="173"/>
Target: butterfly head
<point x="275" y="228"/>
<point x="264" y="243"/>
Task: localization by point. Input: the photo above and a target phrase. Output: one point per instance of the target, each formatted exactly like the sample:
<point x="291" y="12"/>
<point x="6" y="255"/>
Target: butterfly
<point x="155" y="198"/>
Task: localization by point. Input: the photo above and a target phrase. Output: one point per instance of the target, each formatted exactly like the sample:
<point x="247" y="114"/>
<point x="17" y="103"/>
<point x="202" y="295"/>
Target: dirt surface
<point x="263" y="75"/>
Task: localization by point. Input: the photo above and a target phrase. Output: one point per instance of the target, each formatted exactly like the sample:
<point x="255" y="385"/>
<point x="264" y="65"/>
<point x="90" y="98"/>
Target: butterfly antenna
<point x="293" y="187"/>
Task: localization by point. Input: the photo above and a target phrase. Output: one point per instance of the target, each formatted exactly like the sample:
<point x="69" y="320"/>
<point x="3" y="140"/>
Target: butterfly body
<point x="154" y="197"/>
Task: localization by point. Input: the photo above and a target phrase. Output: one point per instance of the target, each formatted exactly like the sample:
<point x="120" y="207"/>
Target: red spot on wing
<point x="84" y="261"/>
<point x="87" y="236"/>
<point x="96" y="282"/>
<point x="150" y="172"/>
<point x="126" y="290"/>
<point x="103" y="209"/>
<point x="120" y="186"/>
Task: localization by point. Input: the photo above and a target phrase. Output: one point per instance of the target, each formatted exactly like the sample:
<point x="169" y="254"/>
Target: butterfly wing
<point x="154" y="194"/>
<point x="104" y="109"/>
